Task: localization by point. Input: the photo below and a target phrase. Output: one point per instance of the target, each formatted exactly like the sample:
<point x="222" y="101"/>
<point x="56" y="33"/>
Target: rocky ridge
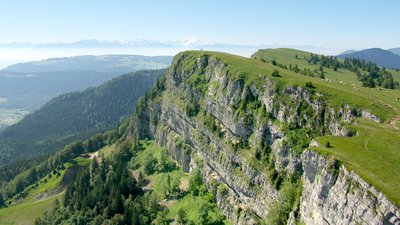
<point x="242" y="137"/>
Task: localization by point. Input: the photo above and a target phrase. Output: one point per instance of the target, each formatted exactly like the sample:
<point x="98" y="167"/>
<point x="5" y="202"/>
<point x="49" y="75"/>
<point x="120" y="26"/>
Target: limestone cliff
<point x="336" y="196"/>
<point x="247" y="138"/>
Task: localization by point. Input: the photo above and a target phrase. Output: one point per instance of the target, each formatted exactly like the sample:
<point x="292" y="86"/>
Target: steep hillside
<point x="246" y="124"/>
<point x="35" y="191"/>
<point x="74" y="116"/>
<point x="135" y="183"/>
<point x="379" y="56"/>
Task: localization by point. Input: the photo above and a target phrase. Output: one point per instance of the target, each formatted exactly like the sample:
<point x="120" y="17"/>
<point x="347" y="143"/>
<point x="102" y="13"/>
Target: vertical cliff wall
<point x="246" y="136"/>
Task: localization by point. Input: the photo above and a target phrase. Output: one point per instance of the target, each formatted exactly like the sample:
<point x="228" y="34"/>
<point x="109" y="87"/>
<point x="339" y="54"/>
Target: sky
<point x="328" y="24"/>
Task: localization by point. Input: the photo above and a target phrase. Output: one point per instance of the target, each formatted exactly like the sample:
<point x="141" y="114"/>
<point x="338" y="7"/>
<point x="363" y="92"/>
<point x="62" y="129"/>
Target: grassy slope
<point x="382" y="104"/>
<point x="367" y="154"/>
<point x="157" y="183"/>
<point x="373" y="154"/>
<point x="36" y="201"/>
<point x="26" y="213"/>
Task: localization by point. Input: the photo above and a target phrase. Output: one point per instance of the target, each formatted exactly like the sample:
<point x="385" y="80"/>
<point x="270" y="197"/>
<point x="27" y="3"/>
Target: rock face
<point x="336" y="196"/>
<point x="237" y="134"/>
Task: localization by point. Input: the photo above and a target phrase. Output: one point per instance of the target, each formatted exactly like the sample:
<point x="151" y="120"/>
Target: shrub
<point x="181" y="217"/>
<point x="328" y="144"/>
<point x="289" y="201"/>
<point x="275" y="73"/>
<point x="223" y="189"/>
<point x="196" y="183"/>
<point x="309" y="84"/>
<point x="150" y="164"/>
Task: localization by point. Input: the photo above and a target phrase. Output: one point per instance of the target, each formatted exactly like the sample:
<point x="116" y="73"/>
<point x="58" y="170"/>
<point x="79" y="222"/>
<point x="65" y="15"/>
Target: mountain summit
<point x="379" y="56"/>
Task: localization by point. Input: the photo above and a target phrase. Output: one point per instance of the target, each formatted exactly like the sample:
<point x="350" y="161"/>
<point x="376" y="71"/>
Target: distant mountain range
<point x="384" y="58"/>
<point x="395" y="50"/>
<point x="116" y="64"/>
<point x="347" y="52"/>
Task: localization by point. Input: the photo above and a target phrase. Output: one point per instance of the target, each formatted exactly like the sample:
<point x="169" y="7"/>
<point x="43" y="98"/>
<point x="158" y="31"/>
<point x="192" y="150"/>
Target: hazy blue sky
<point x="333" y="24"/>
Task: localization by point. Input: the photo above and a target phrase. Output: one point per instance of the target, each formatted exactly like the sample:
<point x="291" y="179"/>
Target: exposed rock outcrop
<point x="336" y="196"/>
<point x="236" y="134"/>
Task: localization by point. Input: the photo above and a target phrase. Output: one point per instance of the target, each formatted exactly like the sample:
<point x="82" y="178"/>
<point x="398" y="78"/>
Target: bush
<point x="181" y="217"/>
<point x="150" y="164"/>
<point x="328" y="144"/>
<point x="195" y="183"/>
<point x="289" y="201"/>
<point x="309" y="84"/>
<point x="275" y="73"/>
<point x="223" y="189"/>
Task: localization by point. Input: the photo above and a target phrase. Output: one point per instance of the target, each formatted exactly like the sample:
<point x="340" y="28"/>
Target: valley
<point x="9" y="117"/>
<point x="25" y="87"/>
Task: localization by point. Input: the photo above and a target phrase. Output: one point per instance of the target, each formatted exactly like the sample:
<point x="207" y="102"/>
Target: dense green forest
<point x="106" y="192"/>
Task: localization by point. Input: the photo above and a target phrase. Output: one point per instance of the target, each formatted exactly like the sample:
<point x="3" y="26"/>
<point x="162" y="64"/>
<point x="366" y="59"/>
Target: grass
<point x="190" y="204"/>
<point x="381" y="103"/>
<point x="38" y="197"/>
<point x="46" y="184"/>
<point x="158" y="183"/>
<point x="29" y="208"/>
<point x="151" y="149"/>
<point x="82" y="161"/>
<point x="158" y="180"/>
<point x="373" y="154"/>
<point x="106" y="151"/>
<point x="24" y="214"/>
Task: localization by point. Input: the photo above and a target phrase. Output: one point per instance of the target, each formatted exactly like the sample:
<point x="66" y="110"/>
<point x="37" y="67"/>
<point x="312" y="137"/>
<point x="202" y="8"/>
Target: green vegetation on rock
<point x="373" y="154"/>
